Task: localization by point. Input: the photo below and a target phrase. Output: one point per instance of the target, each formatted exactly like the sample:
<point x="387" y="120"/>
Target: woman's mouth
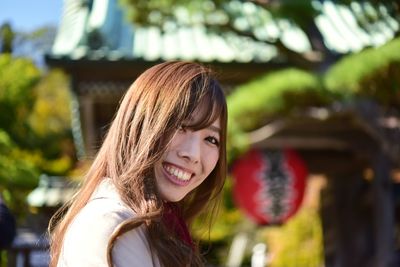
<point x="176" y="175"/>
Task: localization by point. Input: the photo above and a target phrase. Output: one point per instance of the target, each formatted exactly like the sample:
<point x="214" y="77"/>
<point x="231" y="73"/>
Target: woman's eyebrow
<point x="214" y="129"/>
<point x="211" y="127"/>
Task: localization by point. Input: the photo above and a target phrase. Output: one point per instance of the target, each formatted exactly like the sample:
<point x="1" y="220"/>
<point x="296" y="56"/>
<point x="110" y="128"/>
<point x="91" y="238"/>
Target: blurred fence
<point x="28" y="250"/>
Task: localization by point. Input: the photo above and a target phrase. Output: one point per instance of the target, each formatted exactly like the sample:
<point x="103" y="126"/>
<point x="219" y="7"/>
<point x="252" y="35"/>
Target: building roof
<point x="350" y="29"/>
<point x="99" y="30"/>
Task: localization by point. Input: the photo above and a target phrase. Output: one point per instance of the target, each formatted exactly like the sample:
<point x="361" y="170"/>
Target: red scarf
<point x="173" y="220"/>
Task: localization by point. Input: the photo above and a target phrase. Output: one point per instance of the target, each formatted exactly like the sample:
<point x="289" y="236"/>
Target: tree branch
<point x="264" y="3"/>
<point x="309" y="60"/>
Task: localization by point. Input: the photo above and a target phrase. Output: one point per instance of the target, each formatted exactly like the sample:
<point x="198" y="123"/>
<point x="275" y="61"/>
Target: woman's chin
<point x="171" y="198"/>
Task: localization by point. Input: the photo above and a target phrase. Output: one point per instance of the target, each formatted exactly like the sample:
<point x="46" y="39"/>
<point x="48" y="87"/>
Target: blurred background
<point x="313" y="90"/>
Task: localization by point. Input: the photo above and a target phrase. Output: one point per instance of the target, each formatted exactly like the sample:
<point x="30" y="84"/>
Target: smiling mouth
<point x="177" y="175"/>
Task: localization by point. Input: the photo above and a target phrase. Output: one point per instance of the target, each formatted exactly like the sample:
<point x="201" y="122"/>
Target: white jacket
<point x="86" y="239"/>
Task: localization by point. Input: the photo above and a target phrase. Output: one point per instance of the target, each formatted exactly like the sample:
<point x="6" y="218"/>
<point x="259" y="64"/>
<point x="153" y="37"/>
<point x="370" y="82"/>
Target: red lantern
<point x="269" y="185"/>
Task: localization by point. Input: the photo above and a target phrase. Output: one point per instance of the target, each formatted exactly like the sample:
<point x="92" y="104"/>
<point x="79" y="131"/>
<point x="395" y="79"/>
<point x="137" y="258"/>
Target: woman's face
<point x="189" y="159"/>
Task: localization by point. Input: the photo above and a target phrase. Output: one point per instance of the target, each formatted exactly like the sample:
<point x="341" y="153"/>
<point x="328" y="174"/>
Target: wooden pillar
<point x="88" y="123"/>
<point x="330" y="231"/>
<point x="383" y="212"/>
<point x="347" y="220"/>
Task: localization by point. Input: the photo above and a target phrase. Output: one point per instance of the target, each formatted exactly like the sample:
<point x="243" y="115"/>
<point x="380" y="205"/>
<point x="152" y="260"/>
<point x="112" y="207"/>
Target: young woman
<point x="161" y="164"/>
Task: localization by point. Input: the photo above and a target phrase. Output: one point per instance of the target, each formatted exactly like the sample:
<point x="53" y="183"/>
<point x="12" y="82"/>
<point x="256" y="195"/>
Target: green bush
<point x="373" y="73"/>
<point x="275" y="93"/>
<point x="298" y="243"/>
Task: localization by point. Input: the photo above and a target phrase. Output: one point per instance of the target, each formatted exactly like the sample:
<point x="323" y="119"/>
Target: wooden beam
<point x="315" y="143"/>
<point x="390" y="149"/>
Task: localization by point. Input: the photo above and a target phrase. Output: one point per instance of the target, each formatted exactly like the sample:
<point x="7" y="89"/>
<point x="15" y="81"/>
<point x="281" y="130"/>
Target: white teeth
<point x="178" y="173"/>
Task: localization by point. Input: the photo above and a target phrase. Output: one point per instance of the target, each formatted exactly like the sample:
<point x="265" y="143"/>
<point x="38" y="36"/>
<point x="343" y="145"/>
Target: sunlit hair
<point x="154" y="107"/>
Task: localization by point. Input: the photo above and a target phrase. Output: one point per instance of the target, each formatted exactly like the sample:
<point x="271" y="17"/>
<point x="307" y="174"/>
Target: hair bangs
<point x="208" y="101"/>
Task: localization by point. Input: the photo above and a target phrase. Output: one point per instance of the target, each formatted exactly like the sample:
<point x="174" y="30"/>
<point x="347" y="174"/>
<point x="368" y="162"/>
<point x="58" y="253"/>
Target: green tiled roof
<point x="100" y="31"/>
<point x="97" y="30"/>
<point x="341" y="29"/>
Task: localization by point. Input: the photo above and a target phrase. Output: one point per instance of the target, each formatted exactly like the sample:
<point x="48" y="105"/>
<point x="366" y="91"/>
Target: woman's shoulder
<point x="102" y="214"/>
<point x="85" y="242"/>
<point x="104" y="211"/>
<point x="87" y="237"/>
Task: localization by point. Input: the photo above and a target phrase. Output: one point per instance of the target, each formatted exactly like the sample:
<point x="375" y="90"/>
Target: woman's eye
<point x="213" y="140"/>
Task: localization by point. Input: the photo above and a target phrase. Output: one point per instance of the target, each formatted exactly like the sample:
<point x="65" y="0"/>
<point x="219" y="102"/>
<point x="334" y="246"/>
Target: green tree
<point x="34" y="128"/>
<point x="17" y="80"/>
<point x="18" y="173"/>
<point x="50" y="122"/>
<point x="6" y="38"/>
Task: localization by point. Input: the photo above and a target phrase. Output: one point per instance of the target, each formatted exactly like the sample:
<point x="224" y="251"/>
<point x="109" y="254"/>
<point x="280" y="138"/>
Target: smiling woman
<point x="162" y="163"/>
<point x="189" y="159"/>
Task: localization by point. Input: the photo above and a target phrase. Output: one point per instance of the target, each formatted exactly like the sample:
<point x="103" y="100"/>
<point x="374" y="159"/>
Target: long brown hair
<point x="155" y="105"/>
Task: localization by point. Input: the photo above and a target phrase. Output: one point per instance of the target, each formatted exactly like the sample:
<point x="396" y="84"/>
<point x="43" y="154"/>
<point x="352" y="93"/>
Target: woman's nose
<point x="189" y="148"/>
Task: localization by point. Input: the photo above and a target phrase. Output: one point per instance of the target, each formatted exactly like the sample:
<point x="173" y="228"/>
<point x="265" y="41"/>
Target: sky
<point x="28" y="15"/>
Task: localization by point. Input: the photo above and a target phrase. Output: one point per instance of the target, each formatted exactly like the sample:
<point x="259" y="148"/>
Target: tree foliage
<point x="278" y="93"/>
<point x="298" y="243"/>
<point x="34" y="128"/>
<point x="50" y="117"/>
<point x="275" y="93"/>
<point x="6" y="38"/>
<point x="17" y="167"/>
<point x="373" y="73"/>
<point x="18" y="77"/>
